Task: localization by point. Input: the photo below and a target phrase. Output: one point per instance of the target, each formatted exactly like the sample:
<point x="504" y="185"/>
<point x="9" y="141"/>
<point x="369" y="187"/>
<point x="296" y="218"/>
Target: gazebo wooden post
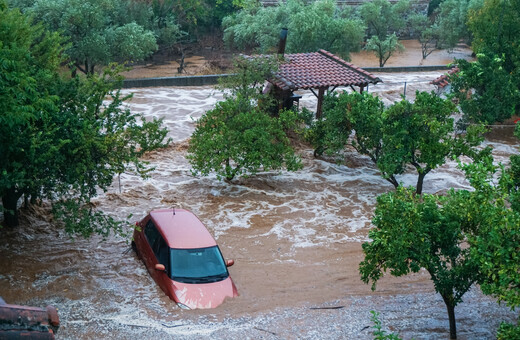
<point x="321" y="93"/>
<point x="361" y="89"/>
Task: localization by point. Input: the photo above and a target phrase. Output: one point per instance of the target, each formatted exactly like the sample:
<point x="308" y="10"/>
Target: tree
<point x="317" y="25"/>
<point x="496" y="246"/>
<point x="460" y="238"/>
<point x="239" y="137"/>
<point x="489" y="89"/>
<point x="486" y="91"/>
<point x="62" y="139"/>
<point x="384" y="21"/>
<point x="423" y="231"/>
<point x="419" y="134"/>
<point x="451" y="19"/>
<point x="101" y="139"/>
<point x="384" y="49"/>
<point x="29" y="60"/>
<point x="426" y="32"/>
<point x="95" y="37"/>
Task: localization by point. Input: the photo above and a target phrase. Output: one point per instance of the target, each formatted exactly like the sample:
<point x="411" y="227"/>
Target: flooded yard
<point x="295" y="238"/>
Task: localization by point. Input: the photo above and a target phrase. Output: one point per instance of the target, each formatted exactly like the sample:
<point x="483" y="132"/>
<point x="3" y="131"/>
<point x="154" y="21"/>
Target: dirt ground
<point x="208" y="58"/>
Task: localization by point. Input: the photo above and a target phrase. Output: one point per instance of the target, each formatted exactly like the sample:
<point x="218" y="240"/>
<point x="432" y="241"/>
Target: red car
<point x="183" y="258"/>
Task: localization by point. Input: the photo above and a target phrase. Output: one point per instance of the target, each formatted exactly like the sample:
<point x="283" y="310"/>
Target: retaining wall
<point x="213" y="78"/>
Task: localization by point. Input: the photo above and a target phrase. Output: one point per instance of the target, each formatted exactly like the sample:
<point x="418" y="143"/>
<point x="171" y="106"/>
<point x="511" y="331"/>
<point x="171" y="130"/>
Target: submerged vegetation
<point x="63" y="137"/>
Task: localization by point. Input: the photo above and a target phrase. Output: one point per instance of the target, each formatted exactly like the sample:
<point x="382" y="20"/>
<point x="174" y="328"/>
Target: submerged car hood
<point x="204" y="295"/>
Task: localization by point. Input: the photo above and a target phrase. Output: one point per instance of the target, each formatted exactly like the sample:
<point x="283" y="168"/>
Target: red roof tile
<point x="444" y="80"/>
<point x="319" y="69"/>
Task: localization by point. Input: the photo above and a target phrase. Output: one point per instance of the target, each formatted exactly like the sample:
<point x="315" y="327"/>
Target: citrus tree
<point x="419" y="134"/>
<point x="241" y="135"/>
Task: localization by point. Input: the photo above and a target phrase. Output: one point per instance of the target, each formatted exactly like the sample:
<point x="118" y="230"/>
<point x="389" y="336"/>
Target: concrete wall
<point x="213" y="79"/>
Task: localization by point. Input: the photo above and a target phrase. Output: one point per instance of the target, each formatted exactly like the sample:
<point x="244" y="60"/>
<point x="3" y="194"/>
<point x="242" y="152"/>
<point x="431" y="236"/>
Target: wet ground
<point x="296" y="239"/>
<point x="216" y="63"/>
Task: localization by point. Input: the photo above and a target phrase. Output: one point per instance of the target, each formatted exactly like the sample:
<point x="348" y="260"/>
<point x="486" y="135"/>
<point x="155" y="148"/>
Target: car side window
<point x="151" y="233"/>
<point x="162" y="252"/>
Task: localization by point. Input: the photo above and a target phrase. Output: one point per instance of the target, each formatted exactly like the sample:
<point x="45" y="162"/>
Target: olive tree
<point x="384" y="21"/>
<point x="316" y="25"/>
<point x="461" y="238"/>
<point x="103" y="31"/>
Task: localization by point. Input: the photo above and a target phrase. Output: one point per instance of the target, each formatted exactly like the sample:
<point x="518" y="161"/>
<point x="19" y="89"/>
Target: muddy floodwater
<point x="295" y="238"/>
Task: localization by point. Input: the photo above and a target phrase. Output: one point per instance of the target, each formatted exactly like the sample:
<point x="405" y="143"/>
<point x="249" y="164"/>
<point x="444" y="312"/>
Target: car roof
<point x="182" y="229"/>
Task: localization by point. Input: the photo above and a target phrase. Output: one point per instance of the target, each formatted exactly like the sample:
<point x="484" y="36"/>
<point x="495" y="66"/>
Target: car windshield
<point x="201" y="265"/>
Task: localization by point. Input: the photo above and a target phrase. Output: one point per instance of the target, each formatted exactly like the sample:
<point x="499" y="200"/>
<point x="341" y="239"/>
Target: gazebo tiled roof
<point x="444" y="79"/>
<point x="320" y="69"/>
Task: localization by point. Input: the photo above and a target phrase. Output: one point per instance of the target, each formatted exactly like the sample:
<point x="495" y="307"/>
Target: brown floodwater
<point x="295" y="238"/>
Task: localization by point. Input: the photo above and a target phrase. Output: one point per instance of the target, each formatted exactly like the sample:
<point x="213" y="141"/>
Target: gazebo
<point x="317" y="71"/>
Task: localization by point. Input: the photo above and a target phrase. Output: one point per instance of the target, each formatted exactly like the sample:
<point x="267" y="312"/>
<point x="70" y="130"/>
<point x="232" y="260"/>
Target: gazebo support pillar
<point x="321" y="94"/>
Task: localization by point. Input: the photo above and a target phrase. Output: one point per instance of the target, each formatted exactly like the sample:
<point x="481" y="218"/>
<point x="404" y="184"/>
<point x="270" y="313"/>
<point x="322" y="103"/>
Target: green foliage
<point x="103" y="31"/>
<point x="451" y="19"/>
<point x="508" y="331"/>
<point x="420" y="134"/>
<point x="426" y="32"/>
<point x="317" y="25"/>
<point x="496" y="245"/>
<point x="383" y="18"/>
<point x="496" y="29"/>
<point x="514" y="174"/>
<point x="379" y="333"/>
<point x="29" y="60"/>
<point x="486" y="91"/>
<point x="489" y="88"/>
<point x="423" y="231"/>
<point x="433" y="5"/>
<point x="239" y="137"/>
<point x="62" y="139"/>
<point x="384" y="49"/>
<point x="236" y="139"/>
<point x="461" y="238"/>
<point x="384" y="21"/>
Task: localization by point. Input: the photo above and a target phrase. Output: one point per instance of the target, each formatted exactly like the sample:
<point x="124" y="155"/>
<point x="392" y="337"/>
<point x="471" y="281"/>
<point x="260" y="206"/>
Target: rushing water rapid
<point x="296" y="239"/>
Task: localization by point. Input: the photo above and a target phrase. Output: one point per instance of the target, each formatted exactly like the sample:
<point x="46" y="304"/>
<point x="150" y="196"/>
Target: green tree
<point x="426" y="32"/>
<point x="239" y="137"/>
<point x="488" y="90"/>
<point x="317" y="25"/>
<point x="62" y="139"/>
<point x="451" y="19"/>
<point x="94" y="35"/>
<point x="423" y="231"/>
<point x="496" y="246"/>
<point x="101" y="139"/>
<point x="384" y="49"/>
<point x="29" y="60"/>
<point x="419" y="134"/>
<point x="384" y="21"/>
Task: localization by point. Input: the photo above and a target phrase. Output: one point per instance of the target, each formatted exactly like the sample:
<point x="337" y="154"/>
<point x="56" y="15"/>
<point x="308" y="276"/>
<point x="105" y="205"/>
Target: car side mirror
<point x="160" y="267"/>
<point x="229" y="263"/>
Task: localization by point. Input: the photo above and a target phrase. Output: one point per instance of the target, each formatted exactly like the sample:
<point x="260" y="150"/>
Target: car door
<point x="162" y="255"/>
<point x="150" y="235"/>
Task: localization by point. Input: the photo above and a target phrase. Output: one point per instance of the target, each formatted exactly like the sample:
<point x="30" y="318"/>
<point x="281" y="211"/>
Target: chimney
<point x="283" y="39"/>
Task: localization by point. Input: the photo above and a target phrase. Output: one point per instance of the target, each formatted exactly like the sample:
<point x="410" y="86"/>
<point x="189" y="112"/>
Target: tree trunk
<point x="420" y="181"/>
<point x="10" y="202"/>
<point x="451" y="315"/>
